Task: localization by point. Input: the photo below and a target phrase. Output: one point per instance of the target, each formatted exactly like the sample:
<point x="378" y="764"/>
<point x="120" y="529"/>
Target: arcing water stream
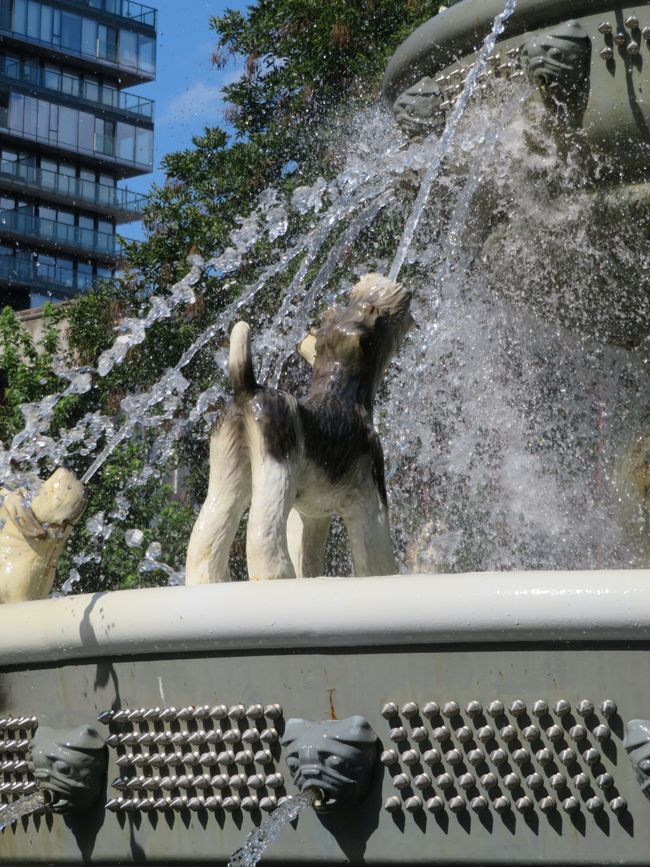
<point x="508" y="412"/>
<point x="25" y="806"/>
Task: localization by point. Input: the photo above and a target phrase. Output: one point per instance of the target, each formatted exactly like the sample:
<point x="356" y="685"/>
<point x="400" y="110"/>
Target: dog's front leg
<point x="274" y="493"/>
<point x="307" y="538"/>
<point x="366" y="521"/>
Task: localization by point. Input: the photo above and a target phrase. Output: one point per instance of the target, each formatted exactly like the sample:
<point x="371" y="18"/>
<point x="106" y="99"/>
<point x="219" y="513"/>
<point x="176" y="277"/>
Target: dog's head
<point x="60" y="500"/>
<point x="357" y="341"/>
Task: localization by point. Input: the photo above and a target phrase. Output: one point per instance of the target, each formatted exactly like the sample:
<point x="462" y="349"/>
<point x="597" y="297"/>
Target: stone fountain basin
<point x="338" y="647"/>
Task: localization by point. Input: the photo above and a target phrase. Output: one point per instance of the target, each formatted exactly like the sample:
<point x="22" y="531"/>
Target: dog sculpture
<point x="296" y="463"/>
<point x="32" y="535"/>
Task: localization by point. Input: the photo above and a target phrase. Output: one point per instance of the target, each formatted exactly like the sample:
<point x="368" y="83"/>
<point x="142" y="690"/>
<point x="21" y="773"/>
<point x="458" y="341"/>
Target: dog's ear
<point x="22" y="516"/>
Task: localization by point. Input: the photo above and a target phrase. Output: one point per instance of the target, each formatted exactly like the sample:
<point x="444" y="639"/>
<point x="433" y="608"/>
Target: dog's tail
<point x="240" y="360"/>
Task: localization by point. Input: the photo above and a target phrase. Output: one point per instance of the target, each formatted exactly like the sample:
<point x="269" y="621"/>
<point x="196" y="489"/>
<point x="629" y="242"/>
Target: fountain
<point x="479" y="718"/>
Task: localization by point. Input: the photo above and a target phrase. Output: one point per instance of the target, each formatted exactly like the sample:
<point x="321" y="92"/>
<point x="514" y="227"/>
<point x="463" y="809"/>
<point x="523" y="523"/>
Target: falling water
<point x="25" y="806"/>
<point x="444" y="143"/>
<point x="261" y="838"/>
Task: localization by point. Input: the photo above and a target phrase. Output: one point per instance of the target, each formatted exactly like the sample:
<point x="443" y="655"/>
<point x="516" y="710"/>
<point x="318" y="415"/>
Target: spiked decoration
<point x="214" y="758"/>
<point x="16" y="771"/>
<point x="497" y="757"/>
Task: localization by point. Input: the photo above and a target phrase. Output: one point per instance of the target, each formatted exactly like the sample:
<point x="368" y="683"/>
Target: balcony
<point x="71" y="86"/>
<point x="127" y="9"/>
<point x="123" y="205"/>
<point x="46" y="278"/>
<point x="52" y="235"/>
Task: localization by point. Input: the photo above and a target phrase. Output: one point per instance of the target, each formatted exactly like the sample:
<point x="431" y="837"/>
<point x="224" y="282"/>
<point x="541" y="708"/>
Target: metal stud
<point x="633" y="47"/>
<point x="391" y="805"/>
<point x="499" y="757"/>
<point x="520" y="757"/>
<point x="457" y="804"/>
<point x="431" y="709"/>
<point x="595" y="804"/>
<point x="185" y="713"/>
<point x="220" y="781"/>
<point x="231" y="803"/>
<point x="435" y="804"/>
<point x="604" y="781"/>
<point x="422" y="781"/>
<point x="269" y="736"/>
<point x="554" y="733"/>
<point x="602" y="733"/>
<point x="473" y="709"/>
<point x="632" y="22"/>
<point x="608" y="707"/>
<point x="581" y="782"/>
<point x="441" y="734"/>
<point x="568" y="756"/>
<point x="495" y="708"/>
<point x="488" y="781"/>
<point x="646" y="35"/>
<point x="256" y="781"/>
<point x="273" y="711"/>
<point x="591" y="757"/>
<point x="544" y="756"/>
<point x="236" y="712"/>
<point x="534" y="781"/>
<point x="263" y="757"/>
<point x="270" y="802"/>
<point x="485" y="734"/>
<point x="605" y="27"/>
<point x="454" y="757"/>
<point x="410" y="709"/>
<point x="558" y="781"/>
<point x="578" y="733"/>
<point x="464" y="734"/>
<point x="524" y="805"/>
<point x="431" y="757"/>
<point x="413" y="804"/>
<point x="410" y="757"/>
<point x="244" y="757"/>
<point x="388" y="757"/>
<point x="518" y="707"/>
<point x="547" y="804"/>
<point x="419" y="734"/>
<point x="466" y="781"/>
<point x="168" y="714"/>
<point x="502" y="804"/>
<point x="401" y="781"/>
<point x="476" y="757"/>
<point x="540" y="707"/>
<point x="511" y="781"/>
<point x="249" y="803"/>
<point x="275" y="781"/>
<point x="232" y="736"/>
<point x="618" y="805"/>
<point x="227" y="757"/>
<point x="508" y="733"/>
<point x="479" y="804"/>
<point x="620" y="38"/>
<point x="562" y="707"/>
<point x="531" y="733"/>
<point x="255" y="711"/>
<point x="444" y="781"/>
<point x="219" y="711"/>
<point x="450" y="709"/>
<point x="570" y="805"/>
<point x="398" y="734"/>
<point x="104" y="717"/>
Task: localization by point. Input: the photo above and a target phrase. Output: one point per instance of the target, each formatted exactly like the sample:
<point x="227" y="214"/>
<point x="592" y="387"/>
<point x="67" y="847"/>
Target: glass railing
<point x="51" y="231"/>
<point x="84" y="191"/>
<point x="47" y="278"/>
<point x="123" y="9"/>
<point x="70" y="85"/>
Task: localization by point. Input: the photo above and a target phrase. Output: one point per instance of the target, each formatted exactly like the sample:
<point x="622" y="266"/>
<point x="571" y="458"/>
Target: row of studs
<point x="452" y="84"/>
<point x="502" y="804"/>
<point x="235" y="713"/>
<point x="209" y="759"/>
<point x="14" y="766"/>
<point x="199" y="781"/>
<point x="213" y="803"/>
<point x="15" y="745"/>
<point x="620" y="38"/>
<point x="185" y="737"/>
<point x="584" y="708"/>
<point x="18" y="788"/>
<point x="18" y="723"/>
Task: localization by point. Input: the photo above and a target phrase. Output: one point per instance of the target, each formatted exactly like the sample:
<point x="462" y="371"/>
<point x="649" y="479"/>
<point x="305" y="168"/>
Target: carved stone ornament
<point x="419" y="109"/>
<point x="70" y="764"/>
<point x="558" y="61"/>
<point x="637" y="744"/>
<point x="336" y="756"/>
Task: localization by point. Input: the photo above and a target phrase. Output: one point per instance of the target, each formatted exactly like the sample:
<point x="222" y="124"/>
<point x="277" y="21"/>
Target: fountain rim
<point x="331" y="613"/>
<point x="460" y="30"/>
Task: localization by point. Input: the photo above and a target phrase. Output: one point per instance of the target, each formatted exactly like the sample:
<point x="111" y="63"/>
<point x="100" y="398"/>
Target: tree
<point x="305" y="62"/>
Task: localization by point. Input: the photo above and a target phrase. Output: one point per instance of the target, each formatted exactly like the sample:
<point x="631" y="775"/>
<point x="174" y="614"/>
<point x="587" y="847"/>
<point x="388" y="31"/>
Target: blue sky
<point x="187" y="90"/>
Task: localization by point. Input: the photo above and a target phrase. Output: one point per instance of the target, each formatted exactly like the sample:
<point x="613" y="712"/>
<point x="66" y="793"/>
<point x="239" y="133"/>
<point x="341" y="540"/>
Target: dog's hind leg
<point x="229" y="493"/>
<point x="307" y="538"/>
<point x="272" y="498"/>
<point x="369" y="532"/>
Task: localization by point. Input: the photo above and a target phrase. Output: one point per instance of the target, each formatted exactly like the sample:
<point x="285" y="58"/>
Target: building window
<point x="4" y="108"/>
